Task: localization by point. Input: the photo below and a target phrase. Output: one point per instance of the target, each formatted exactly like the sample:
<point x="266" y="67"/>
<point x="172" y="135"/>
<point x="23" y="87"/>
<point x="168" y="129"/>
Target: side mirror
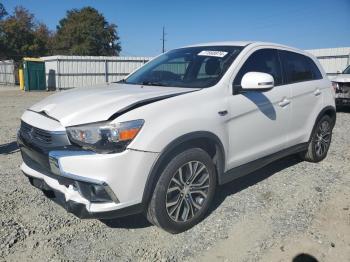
<point x="256" y="81"/>
<point x="339" y="72"/>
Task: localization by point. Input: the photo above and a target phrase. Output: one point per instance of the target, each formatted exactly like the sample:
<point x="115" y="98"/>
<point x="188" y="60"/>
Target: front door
<point x="258" y="120"/>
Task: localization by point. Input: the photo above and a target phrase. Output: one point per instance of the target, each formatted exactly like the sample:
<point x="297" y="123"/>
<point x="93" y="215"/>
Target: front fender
<point x="172" y="118"/>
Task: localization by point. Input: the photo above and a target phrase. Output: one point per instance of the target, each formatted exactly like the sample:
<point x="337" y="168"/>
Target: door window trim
<point x="285" y="73"/>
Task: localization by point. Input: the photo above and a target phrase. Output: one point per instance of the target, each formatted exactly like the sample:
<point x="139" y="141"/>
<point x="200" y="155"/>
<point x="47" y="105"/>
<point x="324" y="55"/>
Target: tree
<point x="2" y="11"/>
<point x="86" y="32"/>
<point x="21" y="36"/>
<point x="43" y="40"/>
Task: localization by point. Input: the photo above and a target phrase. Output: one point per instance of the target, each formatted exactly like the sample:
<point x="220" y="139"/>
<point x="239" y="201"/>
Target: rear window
<point x="299" y="68"/>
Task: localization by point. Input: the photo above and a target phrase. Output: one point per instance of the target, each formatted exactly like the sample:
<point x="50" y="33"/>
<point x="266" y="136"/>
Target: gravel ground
<point x="255" y="218"/>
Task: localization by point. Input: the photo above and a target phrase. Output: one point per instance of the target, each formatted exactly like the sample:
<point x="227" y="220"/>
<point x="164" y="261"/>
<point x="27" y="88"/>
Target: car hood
<point x="88" y="105"/>
<point x="344" y="78"/>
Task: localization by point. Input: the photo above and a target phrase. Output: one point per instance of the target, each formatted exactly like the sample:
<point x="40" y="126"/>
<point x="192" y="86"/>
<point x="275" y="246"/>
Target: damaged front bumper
<point x="85" y="183"/>
<point x="342" y="94"/>
<point x="79" y="209"/>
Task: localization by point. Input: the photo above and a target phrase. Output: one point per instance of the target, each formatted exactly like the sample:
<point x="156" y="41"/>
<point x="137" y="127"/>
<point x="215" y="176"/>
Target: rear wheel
<point x="184" y="191"/>
<point x="320" y="141"/>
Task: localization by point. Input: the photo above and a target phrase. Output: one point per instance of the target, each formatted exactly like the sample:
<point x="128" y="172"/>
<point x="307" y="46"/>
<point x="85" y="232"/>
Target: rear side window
<point x="264" y="61"/>
<point x="298" y="68"/>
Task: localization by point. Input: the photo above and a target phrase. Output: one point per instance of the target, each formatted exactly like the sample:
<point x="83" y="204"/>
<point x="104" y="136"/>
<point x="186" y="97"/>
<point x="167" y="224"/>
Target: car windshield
<point x="347" y="70"/>
<point x="192" y="67"/>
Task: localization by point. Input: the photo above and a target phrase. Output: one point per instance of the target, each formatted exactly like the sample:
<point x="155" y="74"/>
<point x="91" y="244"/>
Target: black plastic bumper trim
<point x="79" y="209"/>
<point x="342" y="101"/>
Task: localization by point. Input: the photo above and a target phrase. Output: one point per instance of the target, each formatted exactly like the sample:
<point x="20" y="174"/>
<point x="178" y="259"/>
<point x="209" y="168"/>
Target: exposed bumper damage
<point x="342" y="93"/>
<point x="79" y="209"/>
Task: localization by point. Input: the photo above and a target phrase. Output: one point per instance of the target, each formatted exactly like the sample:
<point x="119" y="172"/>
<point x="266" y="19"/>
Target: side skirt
<point x="245" y="169"/>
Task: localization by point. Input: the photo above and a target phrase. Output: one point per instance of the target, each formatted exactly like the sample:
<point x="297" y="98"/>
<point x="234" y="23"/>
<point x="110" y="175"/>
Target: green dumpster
<point x="34" y="74"/>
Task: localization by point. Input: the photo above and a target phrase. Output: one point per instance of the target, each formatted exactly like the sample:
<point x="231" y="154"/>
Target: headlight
<point x="105" y="137"/>
<point x="335" y="85"/>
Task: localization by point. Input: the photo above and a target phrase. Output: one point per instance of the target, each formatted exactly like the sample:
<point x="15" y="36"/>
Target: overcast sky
<point x="305" y="24"/>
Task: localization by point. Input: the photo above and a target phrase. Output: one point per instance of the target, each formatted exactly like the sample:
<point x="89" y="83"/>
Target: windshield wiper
<point x="150" y="83"/>
<point x="120" y="81"/>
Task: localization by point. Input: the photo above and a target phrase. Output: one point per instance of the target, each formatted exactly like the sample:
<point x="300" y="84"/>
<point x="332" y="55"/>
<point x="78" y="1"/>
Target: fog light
<point x="99" y="194"/>
<point x="96" y="193"/>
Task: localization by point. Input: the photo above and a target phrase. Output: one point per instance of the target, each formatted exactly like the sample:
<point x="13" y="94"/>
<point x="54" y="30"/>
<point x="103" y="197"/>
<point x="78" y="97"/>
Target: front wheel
<point x="320" y="141"/>
<point x="183" y="192"/>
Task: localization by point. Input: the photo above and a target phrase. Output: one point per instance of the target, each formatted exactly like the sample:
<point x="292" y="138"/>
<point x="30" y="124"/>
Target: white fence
<point x="82" y="71"/>
<point x="7" y="72"/>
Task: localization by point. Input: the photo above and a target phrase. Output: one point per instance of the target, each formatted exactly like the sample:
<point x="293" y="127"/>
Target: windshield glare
<point x="193" y="67"/>
<point x="347" y="70"/>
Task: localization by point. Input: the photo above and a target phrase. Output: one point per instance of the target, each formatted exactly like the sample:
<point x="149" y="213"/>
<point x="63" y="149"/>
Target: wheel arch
<point x="329" y="111"/>
<point x="207" y="141"/>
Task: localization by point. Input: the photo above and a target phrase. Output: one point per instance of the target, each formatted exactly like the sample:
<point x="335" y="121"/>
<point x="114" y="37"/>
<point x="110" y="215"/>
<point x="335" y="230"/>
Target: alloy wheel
<point x="323" y="138"/>
<point x="187" y="191"/>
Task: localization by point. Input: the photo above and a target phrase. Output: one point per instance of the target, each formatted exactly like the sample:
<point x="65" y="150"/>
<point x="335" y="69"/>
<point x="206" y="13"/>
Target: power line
<point x="163" y="40"/>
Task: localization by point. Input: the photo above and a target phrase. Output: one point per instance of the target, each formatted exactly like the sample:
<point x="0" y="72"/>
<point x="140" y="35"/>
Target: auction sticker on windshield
<point x="212" y="53"/>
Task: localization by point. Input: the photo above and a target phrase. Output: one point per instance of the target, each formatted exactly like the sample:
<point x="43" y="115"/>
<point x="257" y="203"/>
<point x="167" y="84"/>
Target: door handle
<point x="284" y="102"/>
<point x="317" y="92"/>
<point x="223" y="113"/>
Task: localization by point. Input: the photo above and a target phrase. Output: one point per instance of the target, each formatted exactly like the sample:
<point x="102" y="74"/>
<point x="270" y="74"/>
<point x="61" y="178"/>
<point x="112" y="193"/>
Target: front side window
<point x="263" y="61"/>
<point x="299" y="68"/>
<point x="193" y="67"/>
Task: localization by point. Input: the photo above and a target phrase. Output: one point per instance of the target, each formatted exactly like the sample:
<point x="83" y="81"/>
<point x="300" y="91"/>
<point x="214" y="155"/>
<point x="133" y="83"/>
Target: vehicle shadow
<point x="129" y="222"/>
<point x="251" y="179"/>
<point x="304" y="258"/>
<point x="9" y="148"/>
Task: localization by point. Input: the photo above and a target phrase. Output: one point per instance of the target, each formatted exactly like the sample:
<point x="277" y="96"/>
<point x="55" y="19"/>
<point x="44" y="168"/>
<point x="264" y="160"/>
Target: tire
<point x="318" y="148"/>
<point x="176" y="206"/>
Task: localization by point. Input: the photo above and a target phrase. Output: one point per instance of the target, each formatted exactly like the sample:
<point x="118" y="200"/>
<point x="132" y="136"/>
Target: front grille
<point x="36" y="161"/>
<point x="35" y="134"/>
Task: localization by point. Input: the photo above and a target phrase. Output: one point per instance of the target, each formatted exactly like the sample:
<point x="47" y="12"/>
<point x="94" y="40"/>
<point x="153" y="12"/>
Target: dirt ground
<point x="277" y="213"/>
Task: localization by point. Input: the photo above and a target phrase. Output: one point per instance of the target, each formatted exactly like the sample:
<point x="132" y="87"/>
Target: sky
<point x="305" y="24"/>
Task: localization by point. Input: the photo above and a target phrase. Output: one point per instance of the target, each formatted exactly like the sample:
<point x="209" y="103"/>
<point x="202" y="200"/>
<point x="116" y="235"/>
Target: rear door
<point x="305" y="81"/>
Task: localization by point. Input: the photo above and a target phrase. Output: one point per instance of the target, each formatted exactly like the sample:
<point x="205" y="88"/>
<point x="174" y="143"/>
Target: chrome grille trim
<point x="41" y="136"/>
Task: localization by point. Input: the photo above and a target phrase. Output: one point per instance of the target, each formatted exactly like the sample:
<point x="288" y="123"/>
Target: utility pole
<point x="163" y="40"/>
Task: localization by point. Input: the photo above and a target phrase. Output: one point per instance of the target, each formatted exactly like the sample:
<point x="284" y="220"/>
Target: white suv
<point x="163" y="139"/>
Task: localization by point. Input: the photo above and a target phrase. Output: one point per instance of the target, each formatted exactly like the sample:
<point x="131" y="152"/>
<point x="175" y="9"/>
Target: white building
<point x="333" y="60"/>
